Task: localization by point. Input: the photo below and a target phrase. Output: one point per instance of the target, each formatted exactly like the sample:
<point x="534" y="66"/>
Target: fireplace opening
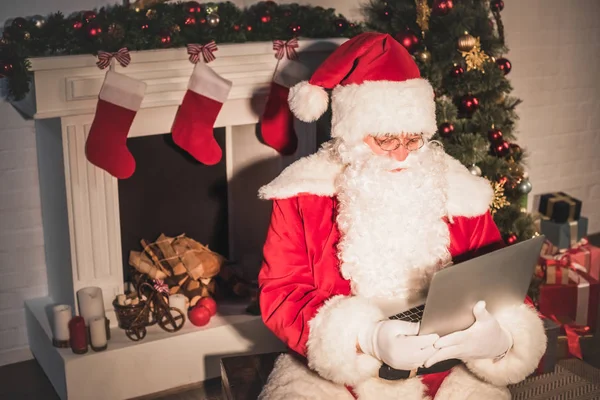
<point x="171" y="193"/>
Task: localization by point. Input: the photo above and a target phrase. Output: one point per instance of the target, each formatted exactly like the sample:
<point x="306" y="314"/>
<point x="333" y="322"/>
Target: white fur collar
<point x="468" y="195"/>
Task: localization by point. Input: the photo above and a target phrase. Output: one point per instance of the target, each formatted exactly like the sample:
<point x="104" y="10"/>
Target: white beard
<point x="393" y="237"/>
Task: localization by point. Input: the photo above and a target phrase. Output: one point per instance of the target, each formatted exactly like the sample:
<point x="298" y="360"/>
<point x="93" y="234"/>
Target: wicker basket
<point x="127" y="315"/>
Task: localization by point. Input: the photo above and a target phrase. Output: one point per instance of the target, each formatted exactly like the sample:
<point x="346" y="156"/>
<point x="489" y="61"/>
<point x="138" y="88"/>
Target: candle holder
<point x="78" y="335"/>
<point x="63" y="344"/>
<point x="97" y="332"/>
<point x="97" y="349"/>
<point x="62" y="314"/>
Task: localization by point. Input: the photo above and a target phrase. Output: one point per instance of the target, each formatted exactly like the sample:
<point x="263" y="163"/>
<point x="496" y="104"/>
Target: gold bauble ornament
<point x="501" y="98"/>
<point x="151" y="13"/>
<point x="212" y="9"/>
<point x="26" y="35"/>
<point x="213" y="19"/>
<point x="38" y="21"/>
<point x="466" y="42"/>
<point x="176" y="28"/>
<point x="424" y="56"/>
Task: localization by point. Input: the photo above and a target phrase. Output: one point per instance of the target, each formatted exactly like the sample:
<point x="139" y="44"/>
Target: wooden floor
<point x="27" y="381"/>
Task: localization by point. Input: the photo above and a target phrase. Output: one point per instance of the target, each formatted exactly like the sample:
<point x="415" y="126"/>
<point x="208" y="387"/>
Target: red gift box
<point x="576" y="301"/>
<point x="553" y="271"/>
<point x="589" y="257"/>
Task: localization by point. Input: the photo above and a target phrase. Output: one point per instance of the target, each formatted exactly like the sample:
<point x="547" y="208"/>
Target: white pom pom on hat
<point x="308" y="102"/>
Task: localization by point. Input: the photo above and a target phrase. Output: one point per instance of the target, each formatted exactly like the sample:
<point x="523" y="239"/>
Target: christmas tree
<point x="459" y="47"/>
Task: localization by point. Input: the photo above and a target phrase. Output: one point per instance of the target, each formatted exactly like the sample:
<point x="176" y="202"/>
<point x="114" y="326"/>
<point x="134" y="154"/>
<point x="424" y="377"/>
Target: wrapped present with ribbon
<point x="564" y="235"/>
<point x="576" y="301"/>
<point x="588" y="256"/>
<point x="548" y="249"/>
<point x="560" y="207"/>
<point x="553" y="271"/>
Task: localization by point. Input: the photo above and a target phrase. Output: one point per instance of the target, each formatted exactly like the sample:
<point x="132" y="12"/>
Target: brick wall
<point x="555" y="55"/>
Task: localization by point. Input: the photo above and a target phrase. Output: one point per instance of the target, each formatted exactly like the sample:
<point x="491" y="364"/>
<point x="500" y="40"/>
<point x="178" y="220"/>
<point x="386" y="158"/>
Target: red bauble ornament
<point x="504" y="65"/>
<point x="386" y="13"/>
<point x="469" y="104"/>
<point x="19" y="23"/>
<point x="6" y="69"/>
<point x="340" y="24"/>
<point x="236" y="28"/>
<point x="190" y="20"/>
<point x="249" y="28"/>
<point x="497" y="5"/>
<point x="295" y="29"/>
<point x="88" y="16"/>
<point x="193" y="7"/>
<point x="165" y="38"/>
<point x="77" y="25"/>
<point x="446" y="129"/>
<point x="209" y="303"/>
<point x="495" y="135"/>
<point x="501" y="148"/>
<point x="515" y="149"/>
<point x="442" y="7"/>
<point x="409" y="40"/>
<point x="199" y="315"/>
<point x="265" y="19"/>
<point x="511" y="238"/>
<point x="93" y="29"/>
<point x="145" y="26"/>
<point x="456" y="71"/>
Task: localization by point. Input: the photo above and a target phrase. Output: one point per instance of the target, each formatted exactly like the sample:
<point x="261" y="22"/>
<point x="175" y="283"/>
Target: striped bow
<point x="122" y="56"/>
<point x="194" y="50"/>
<point x="286" y="48"/>
<point x="160" y="286"/>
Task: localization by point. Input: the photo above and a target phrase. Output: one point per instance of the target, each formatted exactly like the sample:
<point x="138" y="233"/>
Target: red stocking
<point x="106" y="146"/>
<point x="195" y="119"/>
<point x="277" y="122"/>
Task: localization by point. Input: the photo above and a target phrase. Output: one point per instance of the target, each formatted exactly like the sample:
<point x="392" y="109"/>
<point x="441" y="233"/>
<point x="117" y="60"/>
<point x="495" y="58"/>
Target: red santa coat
<point x="307" y="303"/>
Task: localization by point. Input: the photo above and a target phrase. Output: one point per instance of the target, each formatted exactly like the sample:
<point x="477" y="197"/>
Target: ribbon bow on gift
<point x="194" y="50"/>
<point x="122" y="56"/>
<point x="286" y="48"/>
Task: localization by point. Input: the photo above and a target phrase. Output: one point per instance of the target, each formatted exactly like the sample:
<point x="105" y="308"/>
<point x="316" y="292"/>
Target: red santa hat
<point x="377" y="89"/>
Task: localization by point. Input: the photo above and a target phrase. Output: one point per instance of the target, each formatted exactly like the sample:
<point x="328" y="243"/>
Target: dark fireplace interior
<point x="172" y="193"/>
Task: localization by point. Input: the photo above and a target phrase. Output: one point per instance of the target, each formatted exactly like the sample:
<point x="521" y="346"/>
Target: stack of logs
<point x="185" y="265"/>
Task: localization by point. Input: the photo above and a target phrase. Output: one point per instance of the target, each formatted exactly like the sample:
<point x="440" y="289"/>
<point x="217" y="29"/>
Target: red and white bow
<point x="122" y="56"/>
<point x="286" y="48"/>
<point x="194" y="50"/>
<point x="160" y="286"/>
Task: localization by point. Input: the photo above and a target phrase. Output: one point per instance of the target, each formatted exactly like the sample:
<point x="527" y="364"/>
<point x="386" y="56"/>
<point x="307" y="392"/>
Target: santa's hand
<point x="484" y="339"/>
<point x="395" y="343"/>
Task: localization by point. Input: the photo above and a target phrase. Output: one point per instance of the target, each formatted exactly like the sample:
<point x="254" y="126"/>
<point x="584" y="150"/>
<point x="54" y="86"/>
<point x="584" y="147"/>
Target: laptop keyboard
<point x="413" y="315"/>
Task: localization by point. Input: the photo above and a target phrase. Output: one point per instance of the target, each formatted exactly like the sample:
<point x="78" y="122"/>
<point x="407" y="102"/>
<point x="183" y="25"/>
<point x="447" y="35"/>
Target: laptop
<point x="500" y="278"/>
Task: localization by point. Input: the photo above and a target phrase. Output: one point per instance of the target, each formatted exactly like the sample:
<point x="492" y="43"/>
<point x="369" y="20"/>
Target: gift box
<point x="577" y="301"/>
<point x="553" y="271"/>
<point x="589" y="257"/>
<point x="560" y="207"/>
<point x="564" y="235"/>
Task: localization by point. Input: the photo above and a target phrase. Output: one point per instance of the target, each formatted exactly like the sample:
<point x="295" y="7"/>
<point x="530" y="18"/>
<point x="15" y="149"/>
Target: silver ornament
<point x="38" y="21"/>
<point x="475" y="170"/>
<point x="213" y="19"/>
<point x="524" y="186"/>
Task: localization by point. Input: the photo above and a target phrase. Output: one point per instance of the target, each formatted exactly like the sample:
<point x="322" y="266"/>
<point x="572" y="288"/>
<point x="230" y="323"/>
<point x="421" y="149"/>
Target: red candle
<point x="78" y="336"/>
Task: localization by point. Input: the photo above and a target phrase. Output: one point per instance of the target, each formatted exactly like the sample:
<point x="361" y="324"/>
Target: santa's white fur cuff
<point x="331" y="346"/>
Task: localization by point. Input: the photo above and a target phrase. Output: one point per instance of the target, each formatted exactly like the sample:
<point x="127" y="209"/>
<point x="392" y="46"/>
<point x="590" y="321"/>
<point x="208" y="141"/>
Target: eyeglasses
<point x="392" y="143"/>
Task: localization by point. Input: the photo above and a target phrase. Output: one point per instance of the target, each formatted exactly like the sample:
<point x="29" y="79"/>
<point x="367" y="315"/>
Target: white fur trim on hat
<point x="529" y="345"/>
<point x="332" y="339"/>
<point x="382" y="107"/>
<point x="308" y="102"/>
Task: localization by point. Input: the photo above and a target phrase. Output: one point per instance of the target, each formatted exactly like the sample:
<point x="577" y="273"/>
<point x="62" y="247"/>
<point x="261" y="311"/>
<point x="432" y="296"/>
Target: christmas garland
<point x="163" y="25"/>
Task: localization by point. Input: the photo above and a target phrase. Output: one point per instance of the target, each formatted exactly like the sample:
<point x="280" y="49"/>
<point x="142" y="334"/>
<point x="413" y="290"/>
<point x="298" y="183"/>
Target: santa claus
<point x="356" y="233"/>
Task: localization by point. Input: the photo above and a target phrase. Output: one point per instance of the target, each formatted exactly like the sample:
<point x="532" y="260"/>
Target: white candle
<point x="179" y="301"/>
<point x="62" y="316"/>
<point x="98" y="333"/>
<point x="91" y="303"/>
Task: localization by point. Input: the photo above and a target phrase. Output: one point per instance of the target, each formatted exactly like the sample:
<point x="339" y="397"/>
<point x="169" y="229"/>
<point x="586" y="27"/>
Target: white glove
<point x="484" y="339"/>
<point x="395" y="343"/>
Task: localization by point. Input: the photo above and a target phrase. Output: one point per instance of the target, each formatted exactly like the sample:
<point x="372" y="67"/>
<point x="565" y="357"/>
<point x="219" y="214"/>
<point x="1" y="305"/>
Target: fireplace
<point x="90" y="219"/>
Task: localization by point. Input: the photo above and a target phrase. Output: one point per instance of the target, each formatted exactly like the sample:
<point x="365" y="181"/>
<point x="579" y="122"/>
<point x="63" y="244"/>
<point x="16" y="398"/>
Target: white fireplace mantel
<point x="80" y="205"/>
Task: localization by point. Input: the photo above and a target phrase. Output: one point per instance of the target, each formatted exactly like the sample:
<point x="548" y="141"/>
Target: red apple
<point x="199" y="315"/>
<point x="209" y="303"/>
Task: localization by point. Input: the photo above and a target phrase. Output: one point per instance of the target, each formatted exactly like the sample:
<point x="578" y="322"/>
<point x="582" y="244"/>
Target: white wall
<point x="560" y="125"/>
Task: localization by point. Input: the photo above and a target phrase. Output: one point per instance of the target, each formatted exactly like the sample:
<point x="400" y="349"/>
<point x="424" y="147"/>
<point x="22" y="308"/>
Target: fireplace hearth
<point x="90" y="218"/>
